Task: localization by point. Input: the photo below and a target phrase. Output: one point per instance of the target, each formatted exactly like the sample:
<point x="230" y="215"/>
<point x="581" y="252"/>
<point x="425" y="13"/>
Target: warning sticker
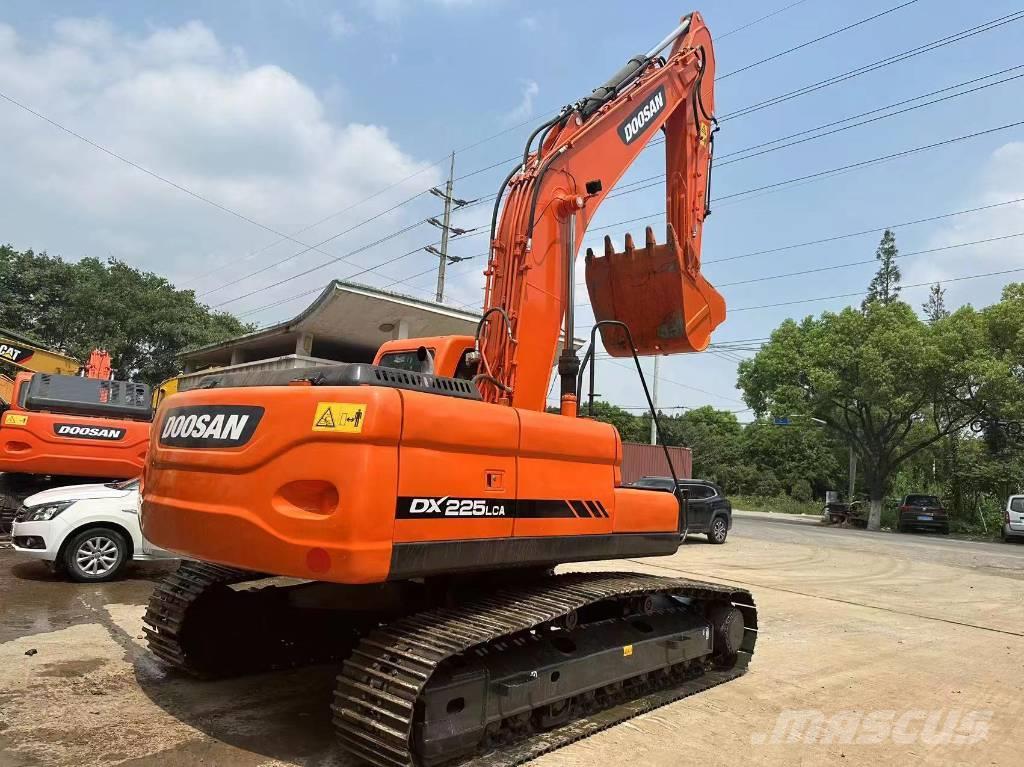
<point x="627" y="650"/>
<point x="15" y="419"/>
<point x="339" y="416"/>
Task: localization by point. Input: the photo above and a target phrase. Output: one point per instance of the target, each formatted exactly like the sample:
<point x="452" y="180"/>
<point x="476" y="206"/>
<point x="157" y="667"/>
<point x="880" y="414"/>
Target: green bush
<point x="802" y="491"/>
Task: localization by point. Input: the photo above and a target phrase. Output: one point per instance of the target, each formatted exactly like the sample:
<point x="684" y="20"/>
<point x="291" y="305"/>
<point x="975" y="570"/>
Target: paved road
<point x="851" y="623"/>
<point x="990" y="556"/>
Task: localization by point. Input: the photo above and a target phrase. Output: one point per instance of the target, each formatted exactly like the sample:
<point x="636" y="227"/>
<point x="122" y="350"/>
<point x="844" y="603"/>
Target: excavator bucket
<point x="658" y="292"/>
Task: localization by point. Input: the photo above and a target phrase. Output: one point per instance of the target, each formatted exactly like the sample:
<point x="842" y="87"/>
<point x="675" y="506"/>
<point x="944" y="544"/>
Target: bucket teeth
<point x="629" y="245"/>
<point x="590" y="254"/>
<point x="609" y="249"/>
<point x="649" y="239"/>
<point x="670" y="235"/>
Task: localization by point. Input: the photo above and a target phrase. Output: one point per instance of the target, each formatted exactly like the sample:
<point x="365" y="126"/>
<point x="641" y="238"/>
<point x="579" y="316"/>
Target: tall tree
<point x="139" y="317"/>
<point x="882" y="380"/>
<point x="935" y="307"/>
<point x="885" y="285"/>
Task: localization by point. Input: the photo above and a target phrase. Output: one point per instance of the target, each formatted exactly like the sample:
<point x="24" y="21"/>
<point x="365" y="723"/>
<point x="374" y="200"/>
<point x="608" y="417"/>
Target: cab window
<point x="415" y="360"/>
<point x="466" y="369"/>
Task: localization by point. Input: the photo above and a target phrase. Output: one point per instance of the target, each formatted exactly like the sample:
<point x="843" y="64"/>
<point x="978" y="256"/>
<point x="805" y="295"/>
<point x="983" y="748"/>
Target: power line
<point x="831" y="171"/>
<point x="864" y="292"/>
<point x="832" y="238"/>
<point x="833" y="33"/>
<point x="767" y="16"/>
<point x="680" y="384"/>
<point x="861" y="232"/>
<point x="325" y="219"/>
<point x="875" y="65"/>
<point x="394" y="282"/>
<point x="849" y="264"/>
<point x="327" y="263"/>
<point x="870" y="261"/>
<point x="750" y="151"/>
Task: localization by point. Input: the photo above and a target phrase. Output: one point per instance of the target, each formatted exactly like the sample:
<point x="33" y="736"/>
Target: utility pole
<point x="853" y="474"/>
<point x="443" y="261"/>
<point x="445" y="225"/>
<point x="654" y="398"/>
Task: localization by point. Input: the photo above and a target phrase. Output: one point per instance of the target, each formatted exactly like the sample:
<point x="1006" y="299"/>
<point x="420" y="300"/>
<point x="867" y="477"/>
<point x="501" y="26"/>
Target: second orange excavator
<point x="424" y="501"/>
<point x="63" y="422"/>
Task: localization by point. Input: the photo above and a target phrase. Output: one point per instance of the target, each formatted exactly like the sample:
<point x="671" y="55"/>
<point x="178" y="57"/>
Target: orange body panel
<point x="325" y="504"/>
<point x="292" y="501"/>
<point x="29" y="443"/>
<point x="569" y="458"/>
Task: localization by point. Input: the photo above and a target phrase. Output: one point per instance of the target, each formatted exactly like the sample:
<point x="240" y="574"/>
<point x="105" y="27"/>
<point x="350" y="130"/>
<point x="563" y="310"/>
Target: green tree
<point x="799" y="452"/>
<point x="716" y="439"/>
<point x="139" y="317"/>
<point x="630" y="428"/>
<point x="882" y="380"/>
<point x="935" y="307"/>
<point x="885" y="285"/>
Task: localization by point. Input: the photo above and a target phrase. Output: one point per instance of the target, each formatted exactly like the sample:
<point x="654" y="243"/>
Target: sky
<point x="255" y="151"/>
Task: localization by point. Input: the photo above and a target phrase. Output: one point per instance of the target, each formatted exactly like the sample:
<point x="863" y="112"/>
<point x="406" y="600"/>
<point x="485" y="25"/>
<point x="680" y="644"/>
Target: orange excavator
<point x="62" y="422"/>
<point x="418" y="506"/>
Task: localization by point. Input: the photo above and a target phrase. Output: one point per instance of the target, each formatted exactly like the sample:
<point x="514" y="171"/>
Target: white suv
<point x="87" y="531"/>
<point x="1013" y="518"/>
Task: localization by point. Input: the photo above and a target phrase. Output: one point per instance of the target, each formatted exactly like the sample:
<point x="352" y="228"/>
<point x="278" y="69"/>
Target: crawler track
<point x="197" y="622"/>
<point x="204" y="620"/>
<point x="380" y="688"/>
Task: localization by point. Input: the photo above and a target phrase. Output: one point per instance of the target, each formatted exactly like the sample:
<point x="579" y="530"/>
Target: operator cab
<point x="448" y="356"/>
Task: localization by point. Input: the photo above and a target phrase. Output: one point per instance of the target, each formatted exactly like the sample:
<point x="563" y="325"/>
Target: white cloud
<point x="1001" y="179"/>
<point x="177" y="101"/>
<point x="339" y="26"/>
<point x="525" y="106"/>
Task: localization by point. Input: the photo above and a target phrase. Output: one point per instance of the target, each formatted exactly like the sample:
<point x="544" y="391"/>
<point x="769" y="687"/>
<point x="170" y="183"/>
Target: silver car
<point x="1013" y="518"/>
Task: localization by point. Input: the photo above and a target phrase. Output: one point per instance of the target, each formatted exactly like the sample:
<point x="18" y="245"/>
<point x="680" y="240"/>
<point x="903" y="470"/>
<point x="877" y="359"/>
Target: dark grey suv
<point x="708" y="510"/>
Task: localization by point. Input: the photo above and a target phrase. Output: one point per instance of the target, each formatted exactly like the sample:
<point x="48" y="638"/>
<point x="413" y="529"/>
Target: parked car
<point x="922" y="512"/>
<point x="1013" y="518"/>
<point x="708" y="511"/>
<point x="86" y="531"/>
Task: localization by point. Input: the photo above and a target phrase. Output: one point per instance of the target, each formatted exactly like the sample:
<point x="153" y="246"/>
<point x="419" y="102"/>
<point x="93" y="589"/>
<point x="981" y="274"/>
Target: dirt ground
<point x="875" y="649"/>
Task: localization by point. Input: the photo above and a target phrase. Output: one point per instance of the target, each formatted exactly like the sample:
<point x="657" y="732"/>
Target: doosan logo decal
<point x="641" y="118"/>
<point x="210" y="425"/>
<point x="82" y="431"/>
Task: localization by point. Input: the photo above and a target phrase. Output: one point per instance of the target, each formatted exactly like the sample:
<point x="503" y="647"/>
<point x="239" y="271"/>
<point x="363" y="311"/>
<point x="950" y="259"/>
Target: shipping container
<point x="649" y="461"/>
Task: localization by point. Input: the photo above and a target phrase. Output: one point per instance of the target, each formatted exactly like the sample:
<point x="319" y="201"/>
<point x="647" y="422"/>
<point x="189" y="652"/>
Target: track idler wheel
<point x="727" y="630"/>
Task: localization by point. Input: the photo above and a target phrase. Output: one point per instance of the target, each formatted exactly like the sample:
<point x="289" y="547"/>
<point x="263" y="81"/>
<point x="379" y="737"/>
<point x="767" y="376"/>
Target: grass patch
<point x="782" y="504"/>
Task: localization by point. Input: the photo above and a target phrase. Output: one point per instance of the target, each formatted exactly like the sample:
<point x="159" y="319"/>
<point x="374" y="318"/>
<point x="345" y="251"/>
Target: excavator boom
<point x="657" y="291"/>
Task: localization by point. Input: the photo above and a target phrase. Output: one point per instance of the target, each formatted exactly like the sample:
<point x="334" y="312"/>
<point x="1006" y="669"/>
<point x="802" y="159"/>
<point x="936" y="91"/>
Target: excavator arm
<point x="657" y="291"/>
